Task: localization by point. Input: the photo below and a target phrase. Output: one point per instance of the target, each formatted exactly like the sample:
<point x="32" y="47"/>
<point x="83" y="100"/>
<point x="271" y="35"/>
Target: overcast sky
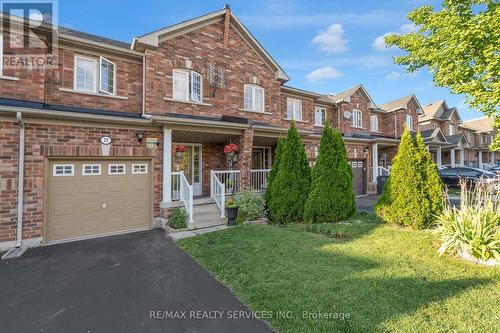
<point x="324" y="46"/>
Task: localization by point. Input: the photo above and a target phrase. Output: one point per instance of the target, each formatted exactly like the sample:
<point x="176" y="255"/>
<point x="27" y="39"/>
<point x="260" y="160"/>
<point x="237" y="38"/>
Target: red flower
<point x="180" y="149"/>
<point x="231" y="148"/>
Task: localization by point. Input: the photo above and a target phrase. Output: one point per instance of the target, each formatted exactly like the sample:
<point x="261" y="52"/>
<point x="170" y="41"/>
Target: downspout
<point x="143" y="84"/>
<point x="20" y="183"/>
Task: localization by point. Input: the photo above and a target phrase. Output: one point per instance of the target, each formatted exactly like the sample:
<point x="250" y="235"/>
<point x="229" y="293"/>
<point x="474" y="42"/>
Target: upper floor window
<point x="1" y="55"/>
<point x="187" y="85"/>
<point x="409" y="122"/>
<point x="357" y="118"/>
<point x="294" y="109"/>
<point x="253" y="98"/>
<point x="374" y="122"/>
<point x="434" y="125"/>
<point x="86" y="75"/>
<point x="319" y="116"/>
<point x="451" y="129"/>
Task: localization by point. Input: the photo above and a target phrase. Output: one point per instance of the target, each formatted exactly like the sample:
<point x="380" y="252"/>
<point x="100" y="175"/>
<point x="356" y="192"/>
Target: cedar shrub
<point x="331" y="198"/>
<point x="274" y="170"/>
<point x="290" y="188"/>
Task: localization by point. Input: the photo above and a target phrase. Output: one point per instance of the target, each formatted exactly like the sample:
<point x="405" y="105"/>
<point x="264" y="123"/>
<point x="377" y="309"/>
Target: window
<point x="374" y="123"/>
<point x="434" y="125"/>
<point x="253" y="98"/>
<point x="451" y="129"/>
<point x="294" y="109"/>
<point x="187" y="86"/>
<point x="106" y="76"/>
<point x="409" y="122"/>
<point x="116" y="169"/>
<point x="319" y="116"/>
<point x="63" y="170"/>
<point x="85" y="74"/>
<point x="91" y="169"/>
<point x="357" y="118"/>
<point x="139" y="169"/>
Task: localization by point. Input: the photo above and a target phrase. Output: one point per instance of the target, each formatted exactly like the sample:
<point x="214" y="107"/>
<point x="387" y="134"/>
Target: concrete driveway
<point x="366" y="203"/>
<point x="138" y="282"/>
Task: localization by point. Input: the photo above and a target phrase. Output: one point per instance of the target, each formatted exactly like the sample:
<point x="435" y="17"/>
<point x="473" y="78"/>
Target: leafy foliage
<point x="474" y="228"/>
<point x="413" y="193"/>
<point x="274" y="170"/>
<point x="250" y="203"/>
<point x="459" y="44"/>
<point x="178" y="218"/>
<point x="291" y="186"/>
<point x="331" y="198"/>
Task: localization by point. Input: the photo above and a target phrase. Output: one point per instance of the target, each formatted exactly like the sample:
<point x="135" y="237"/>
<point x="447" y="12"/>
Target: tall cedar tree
<point x="402" y="201"/>
<point x="433" y="186"/>
<point x="274" y="170"/>
<point x="331" y="198"/>
<point x="291" y="186"/>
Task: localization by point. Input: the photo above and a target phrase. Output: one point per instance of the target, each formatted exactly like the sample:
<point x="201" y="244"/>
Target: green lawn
<point x="385" y="278"/>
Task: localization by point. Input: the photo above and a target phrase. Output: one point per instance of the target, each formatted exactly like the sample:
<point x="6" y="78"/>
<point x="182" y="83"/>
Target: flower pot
<point x="229" y="156"/>
<point x="232" y="214"/>
<point x="178" y="154"/>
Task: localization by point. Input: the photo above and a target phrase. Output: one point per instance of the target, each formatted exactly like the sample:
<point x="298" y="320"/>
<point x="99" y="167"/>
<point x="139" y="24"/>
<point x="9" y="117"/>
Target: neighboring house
<point x="102" y="132"/>
<point x="452" y="141"/>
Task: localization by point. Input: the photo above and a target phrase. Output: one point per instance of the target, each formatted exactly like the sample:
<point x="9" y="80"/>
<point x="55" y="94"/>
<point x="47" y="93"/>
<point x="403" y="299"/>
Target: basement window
<point x="139" y="169"/>
<point x="59" y="170"/>
<point x="116" y="169"/>
<point x="91" y="169"/>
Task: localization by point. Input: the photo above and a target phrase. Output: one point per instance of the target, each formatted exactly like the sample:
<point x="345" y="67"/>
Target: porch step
<point x="207" y="215"/>
<point x="203" y="201"/>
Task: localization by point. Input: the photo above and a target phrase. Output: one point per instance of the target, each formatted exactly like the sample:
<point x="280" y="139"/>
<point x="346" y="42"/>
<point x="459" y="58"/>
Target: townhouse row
<point x="114" y="135"/>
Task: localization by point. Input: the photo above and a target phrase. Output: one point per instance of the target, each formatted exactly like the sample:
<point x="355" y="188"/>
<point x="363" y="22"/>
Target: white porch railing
<point x="176" y="185"/>
<point x="218" y="191"/>
<point x="231" y="180"/>
<point x="383" y="171"/>
<point x="258" y="179"/>
<point x="185" y="193"/>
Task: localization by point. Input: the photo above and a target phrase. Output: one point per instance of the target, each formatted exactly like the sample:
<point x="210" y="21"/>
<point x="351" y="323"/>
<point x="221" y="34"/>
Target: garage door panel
<point x="89" y="205"/>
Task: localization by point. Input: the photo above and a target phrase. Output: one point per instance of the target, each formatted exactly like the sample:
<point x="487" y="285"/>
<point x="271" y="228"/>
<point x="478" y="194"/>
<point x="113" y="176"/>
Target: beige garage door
<point x="91" y="198"/>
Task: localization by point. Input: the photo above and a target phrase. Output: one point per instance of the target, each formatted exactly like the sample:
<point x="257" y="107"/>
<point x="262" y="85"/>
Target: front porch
<point x="200" y="176"/>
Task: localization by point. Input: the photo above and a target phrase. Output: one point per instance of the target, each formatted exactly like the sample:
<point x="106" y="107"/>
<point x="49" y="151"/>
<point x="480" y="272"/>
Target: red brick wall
<point x="47" y="140"/>
<point x="356" y="102"/>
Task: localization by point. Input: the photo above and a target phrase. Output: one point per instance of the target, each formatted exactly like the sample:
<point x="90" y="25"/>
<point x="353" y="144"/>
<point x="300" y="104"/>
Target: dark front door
<point x="358" y="176"/>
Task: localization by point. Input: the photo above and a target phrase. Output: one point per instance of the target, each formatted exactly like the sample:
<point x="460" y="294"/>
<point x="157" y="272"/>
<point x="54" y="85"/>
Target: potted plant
<point x="179" y="150"/>
<point x="231" y="211"/>
<point x="231" y="150"/>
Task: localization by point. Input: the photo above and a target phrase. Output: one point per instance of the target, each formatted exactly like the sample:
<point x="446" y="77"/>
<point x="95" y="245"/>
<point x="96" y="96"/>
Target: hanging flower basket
<point x="231" y="150"/>
<point x="179" y="150"/>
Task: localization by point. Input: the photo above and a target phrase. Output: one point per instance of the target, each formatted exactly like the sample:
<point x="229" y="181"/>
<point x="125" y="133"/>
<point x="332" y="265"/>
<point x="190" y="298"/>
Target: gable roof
<point x="483" y="124"/>
<point x="151" y="39"/>
<point x="456" y="139"/>
<point x="439" y="110"/>
<point x="434" y="135"/>
<point x="345" y="96"/>
<point x="400" y="103"/>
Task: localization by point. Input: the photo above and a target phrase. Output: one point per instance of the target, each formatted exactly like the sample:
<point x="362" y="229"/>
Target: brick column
<point x="245" y="143"/>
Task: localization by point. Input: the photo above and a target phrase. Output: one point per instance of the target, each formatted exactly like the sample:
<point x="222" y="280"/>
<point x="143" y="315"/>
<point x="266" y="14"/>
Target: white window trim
<point x="75" y="87"/>
<point x="294" y="100"/>
<point x="360" y="118"/>
<point x="117" y="173"/>
<point x="134" y="172"/>
<point x="54" y="167"/>
<point x="101" y="59"/>
<point x="190" y="84"/>
<point x="374" y="128"/>
<point x="186" y="74"/>
<point x="451" y="129"/>
<point x="409" y="122"/>
<point x="91" y="165"/>
<point x="318" y="109"/>
<point x="253" y="107"/>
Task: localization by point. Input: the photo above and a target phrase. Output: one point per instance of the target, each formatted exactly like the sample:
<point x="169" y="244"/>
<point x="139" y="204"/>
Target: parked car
<point x="452" y="176"/>
<point x="495" y="169"/>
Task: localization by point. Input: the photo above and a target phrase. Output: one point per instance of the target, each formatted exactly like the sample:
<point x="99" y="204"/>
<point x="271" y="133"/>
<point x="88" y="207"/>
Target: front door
<point x="358" y="176"/>
<point x="189" y="162"/>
